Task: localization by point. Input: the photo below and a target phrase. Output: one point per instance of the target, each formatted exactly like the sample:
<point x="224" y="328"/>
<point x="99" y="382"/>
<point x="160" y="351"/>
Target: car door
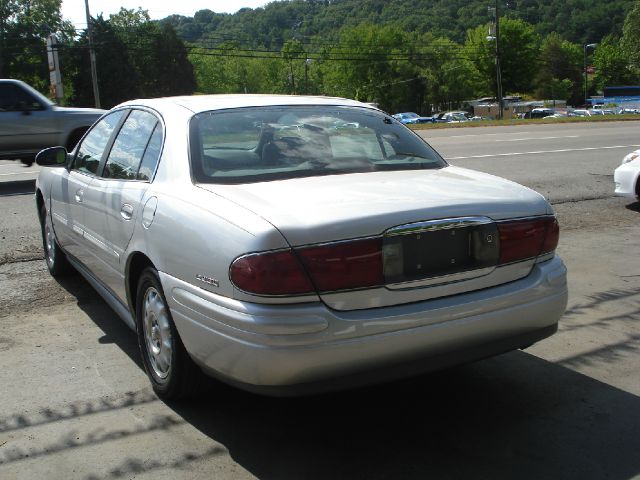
<point x="68" y="198"/>
<point x="114" y="196"/>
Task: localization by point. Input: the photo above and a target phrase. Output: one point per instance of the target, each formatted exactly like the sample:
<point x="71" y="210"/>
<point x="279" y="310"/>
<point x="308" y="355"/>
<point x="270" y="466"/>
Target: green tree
<point x="117" y="78"/>
<point x="560" y="68"/>
<point x="372" y="63"/>
<point x="612" y="65"/>
<point x="158" y="56"/>
<point x="631" y="36"/>
<point x="24" y="28"/>
<point x="519" y="54"/>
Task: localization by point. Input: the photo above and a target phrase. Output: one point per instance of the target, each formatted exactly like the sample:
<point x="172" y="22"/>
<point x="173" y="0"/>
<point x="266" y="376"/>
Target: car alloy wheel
<point x="170" y="369"/>
<point x="158" y="337"/>
<point x="56" y="259"/>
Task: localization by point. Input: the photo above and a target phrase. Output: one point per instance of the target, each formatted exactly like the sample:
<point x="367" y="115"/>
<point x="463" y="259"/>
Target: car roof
<point x="204" y="103"/>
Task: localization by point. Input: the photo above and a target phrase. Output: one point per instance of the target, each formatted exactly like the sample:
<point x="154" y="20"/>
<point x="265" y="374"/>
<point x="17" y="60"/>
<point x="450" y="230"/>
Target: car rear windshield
<point x="259" y="144"/>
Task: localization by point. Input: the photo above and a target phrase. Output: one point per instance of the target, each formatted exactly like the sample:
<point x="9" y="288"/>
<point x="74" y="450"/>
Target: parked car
<point x="410" y="118"/>
<point x="556" y="115"/>
<point x="540" y="113"/>
<point x="627" y="176"/>
<point x="452" y="117"/>
<point x="29" y="122"/>
<point x="580" y="113"/>
<point x="249" y="238"/>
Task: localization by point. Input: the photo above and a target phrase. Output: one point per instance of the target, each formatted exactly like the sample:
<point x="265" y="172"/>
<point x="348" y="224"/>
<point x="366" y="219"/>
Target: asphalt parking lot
<point x="75" y="402"/>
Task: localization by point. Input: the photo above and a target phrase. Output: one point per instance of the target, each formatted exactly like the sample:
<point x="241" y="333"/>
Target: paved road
<point x="74" y="401"/>
<point x="572" y="161"/>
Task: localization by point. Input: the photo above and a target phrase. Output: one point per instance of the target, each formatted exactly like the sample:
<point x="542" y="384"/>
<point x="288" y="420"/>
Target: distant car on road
<point x="627" y="176"/>
<point x="411" y="118"/>
<point x="287" y="243"/>
<point x="29" y="122"/>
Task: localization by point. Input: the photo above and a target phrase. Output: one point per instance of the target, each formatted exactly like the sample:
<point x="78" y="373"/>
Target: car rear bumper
<point x="288" y="349"/>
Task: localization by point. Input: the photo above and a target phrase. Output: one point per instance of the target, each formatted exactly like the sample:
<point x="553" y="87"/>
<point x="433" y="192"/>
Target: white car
<point x="294" y="244"/>
<point x="627" y="176"/>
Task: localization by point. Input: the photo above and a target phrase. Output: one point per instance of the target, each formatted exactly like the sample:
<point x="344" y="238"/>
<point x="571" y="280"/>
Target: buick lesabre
<point x="296" y="244"/>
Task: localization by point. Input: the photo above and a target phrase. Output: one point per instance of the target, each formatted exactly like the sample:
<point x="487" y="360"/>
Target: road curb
<point x="19" y="187"/>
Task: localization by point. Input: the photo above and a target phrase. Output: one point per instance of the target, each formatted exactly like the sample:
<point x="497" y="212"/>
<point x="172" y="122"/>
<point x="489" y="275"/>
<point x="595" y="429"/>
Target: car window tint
<point x="15" y="99"/>
<point x="89" y="152"/>
<point x="129" y="146"/>
<point x="151" y="155"/>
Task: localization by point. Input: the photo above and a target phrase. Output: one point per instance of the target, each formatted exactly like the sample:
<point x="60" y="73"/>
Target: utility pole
<point x="498" y="70"/>
<point x="92" y="57"/>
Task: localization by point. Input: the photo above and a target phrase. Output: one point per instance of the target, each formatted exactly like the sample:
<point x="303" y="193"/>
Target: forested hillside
<point x="405" y="55"/>
<point x="579" y="21"/>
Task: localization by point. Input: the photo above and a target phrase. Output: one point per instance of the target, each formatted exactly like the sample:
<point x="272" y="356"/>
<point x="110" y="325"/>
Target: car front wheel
<point x="171" y="371"/>
<point x="56" y="259"/>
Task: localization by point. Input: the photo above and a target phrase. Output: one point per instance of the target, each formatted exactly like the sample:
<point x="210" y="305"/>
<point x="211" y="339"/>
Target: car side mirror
<point x="52" y="157"/>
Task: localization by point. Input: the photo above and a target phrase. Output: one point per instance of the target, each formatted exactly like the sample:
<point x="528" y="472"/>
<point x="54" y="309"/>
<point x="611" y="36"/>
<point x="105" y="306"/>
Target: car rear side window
<point x="130" y="146"/>
<point x="151" y="155"/>
<point x="90" y="151"/>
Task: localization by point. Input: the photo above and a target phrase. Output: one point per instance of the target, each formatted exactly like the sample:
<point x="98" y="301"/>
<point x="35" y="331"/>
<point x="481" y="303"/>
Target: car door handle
<point x="79" y="195"/>
<point x="126" y="211"/>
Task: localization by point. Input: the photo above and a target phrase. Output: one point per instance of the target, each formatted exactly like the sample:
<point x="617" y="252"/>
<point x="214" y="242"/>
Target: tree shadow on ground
<point x="512" y="416"/>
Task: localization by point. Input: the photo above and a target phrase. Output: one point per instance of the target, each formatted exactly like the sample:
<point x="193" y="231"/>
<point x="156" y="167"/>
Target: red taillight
<point x="270" y="273"/>
<point x="552" y="237"/>
<point x="345" y="265"/>
<point x="522" y="239"/>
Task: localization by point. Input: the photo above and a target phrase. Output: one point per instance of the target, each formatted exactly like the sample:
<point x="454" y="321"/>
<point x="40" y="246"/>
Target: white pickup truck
<point x="29" y="122"/>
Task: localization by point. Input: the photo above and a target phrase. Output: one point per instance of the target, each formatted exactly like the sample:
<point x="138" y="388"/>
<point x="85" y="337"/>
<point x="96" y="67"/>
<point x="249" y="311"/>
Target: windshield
<point x="272" y="143"/>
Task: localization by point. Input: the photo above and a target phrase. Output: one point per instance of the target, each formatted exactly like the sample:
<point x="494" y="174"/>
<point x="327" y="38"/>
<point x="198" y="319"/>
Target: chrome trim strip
<point x="60" y="218"/>
<point x="432" y="225"/>
<point x="101" y="245"/>
<point x="432" y="281"/>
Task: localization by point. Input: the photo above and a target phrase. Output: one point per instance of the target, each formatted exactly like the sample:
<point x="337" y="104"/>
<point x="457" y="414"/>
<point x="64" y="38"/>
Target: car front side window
<point x="90" y="151"/>
<point x="15" y="99"/>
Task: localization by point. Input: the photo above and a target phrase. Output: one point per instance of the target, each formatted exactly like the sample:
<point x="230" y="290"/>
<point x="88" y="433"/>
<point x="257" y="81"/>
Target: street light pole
<point x="586" y="89"/>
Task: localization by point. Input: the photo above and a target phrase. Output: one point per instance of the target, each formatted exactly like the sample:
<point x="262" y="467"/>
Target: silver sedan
<point x="296" y="244"/>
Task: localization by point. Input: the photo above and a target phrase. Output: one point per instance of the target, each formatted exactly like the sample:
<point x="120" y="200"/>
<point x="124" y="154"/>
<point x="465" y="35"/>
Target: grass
<point x="536" y="121"/>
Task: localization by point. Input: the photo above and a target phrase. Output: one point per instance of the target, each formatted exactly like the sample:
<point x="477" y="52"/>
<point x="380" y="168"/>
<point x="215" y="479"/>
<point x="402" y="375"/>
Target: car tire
<point x="172" y="373"/>
<point x="55" y="258"/>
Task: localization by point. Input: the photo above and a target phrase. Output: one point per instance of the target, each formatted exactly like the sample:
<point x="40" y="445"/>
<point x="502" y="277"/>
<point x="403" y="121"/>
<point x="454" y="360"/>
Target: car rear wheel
<point x="56" y="259"/>
<point x="172" y="373"/>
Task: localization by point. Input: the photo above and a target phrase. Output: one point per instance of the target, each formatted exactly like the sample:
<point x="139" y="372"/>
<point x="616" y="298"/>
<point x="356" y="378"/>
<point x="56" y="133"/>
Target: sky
<point x="74" y="9"/>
